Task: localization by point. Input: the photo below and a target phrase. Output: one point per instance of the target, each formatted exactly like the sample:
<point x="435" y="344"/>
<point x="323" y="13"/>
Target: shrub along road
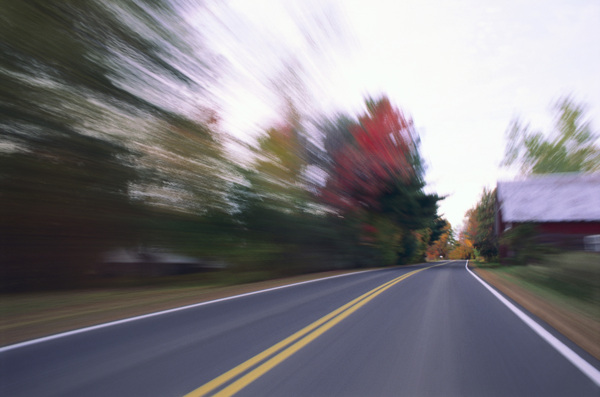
<point x="420" y="330"/>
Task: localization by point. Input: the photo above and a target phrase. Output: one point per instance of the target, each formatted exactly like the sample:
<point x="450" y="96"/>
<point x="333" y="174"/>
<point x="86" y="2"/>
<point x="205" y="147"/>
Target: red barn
<point x="565" y="208"/>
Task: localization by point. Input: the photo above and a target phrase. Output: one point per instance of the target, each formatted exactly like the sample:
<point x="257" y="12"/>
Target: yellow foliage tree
<point x="442" y="247"/>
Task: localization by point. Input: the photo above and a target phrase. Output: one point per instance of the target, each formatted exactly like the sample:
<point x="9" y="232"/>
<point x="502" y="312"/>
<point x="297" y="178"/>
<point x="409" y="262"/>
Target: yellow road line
<point x="273" y="349"/>
<point x="297" y="341"/>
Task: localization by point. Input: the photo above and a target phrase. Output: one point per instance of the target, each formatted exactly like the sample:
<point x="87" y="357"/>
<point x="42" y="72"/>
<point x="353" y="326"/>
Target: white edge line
<point x="154" y="314"/>
<point x="589" y="370"/>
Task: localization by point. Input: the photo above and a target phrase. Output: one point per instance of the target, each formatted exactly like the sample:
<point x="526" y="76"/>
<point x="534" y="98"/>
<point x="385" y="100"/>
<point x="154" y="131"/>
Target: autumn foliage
<point x="374" y="179"/>
<point x="380" y="152"/>
<point x="477" y="238"/>
<point x="440" y="248"/>
<point x="463" y="248"/>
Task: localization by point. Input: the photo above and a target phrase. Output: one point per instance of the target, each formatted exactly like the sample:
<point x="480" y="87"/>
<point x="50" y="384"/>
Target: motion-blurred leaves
<point x="111" y="138"/>
<point x="571" y="146"/>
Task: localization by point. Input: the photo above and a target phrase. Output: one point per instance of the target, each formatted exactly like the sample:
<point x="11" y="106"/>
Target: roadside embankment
<point x="576" y="318"/>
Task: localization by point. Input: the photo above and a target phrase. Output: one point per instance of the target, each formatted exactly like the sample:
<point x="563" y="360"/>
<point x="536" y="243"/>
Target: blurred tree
<point x="108" y="139"/>
<point x="437" y="227"/>
<point x="374" y="172"/>
<point x="379" y="151"/>
<point x="442" y="246"/>
<point x="571" y="147"/>
<point x="97" y="102"/>
<point x="61" y="206"/>
<point x="279" y="177"/>
<point x="334" y="132"/>
<point x="471" y="224"/>
<point x="423" y="238"/>
<point x="276" y="208"/>
<point x="463" y="248"/>
<point x="479" y="226"/>
<point x="183" y="166"/>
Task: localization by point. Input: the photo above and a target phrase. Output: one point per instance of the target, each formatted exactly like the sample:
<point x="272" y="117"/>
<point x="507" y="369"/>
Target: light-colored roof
<point x="551" y="198"/>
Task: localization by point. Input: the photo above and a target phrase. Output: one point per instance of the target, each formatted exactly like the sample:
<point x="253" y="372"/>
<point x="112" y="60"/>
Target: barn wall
<point x="566" y="235"/>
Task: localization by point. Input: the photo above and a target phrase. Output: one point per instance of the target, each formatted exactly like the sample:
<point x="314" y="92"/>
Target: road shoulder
<point x="25" y="317"/>
<point x="581" y="330"/>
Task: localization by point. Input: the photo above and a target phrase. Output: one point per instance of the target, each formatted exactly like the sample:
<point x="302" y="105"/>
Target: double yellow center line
<point x="290" y="345"/>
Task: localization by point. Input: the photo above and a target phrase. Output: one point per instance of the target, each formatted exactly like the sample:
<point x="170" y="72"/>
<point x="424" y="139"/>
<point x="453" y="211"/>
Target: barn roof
<point x="551" y="198"/>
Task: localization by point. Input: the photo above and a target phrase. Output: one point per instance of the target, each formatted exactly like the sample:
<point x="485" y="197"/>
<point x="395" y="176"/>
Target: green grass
<point x="486" y="265"/>
<point x="571" y="280"/>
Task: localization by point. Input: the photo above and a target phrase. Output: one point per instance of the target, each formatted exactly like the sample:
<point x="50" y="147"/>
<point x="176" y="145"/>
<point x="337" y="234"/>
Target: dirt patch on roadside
<point x="583" y="331"/>
<point x="28" y="317"/>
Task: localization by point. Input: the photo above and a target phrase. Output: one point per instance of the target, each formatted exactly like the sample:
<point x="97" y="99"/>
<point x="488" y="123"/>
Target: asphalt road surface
<point x="424" y="330"/>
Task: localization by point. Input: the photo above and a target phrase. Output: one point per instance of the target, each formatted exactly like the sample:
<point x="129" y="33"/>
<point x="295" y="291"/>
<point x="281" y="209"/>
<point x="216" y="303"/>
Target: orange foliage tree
<point x="463" y="248"/>
<point x="442" y="246"/>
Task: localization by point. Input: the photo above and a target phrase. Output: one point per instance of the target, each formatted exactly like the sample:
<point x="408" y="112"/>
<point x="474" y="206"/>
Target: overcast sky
<point x="461" y="69"/>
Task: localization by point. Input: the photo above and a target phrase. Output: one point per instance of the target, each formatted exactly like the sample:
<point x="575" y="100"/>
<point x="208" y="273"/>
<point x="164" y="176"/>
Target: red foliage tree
<point x="380" y="153"/>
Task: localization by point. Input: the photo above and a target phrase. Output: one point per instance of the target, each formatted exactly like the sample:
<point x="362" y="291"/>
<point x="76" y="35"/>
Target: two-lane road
<point x="422" y="330"/>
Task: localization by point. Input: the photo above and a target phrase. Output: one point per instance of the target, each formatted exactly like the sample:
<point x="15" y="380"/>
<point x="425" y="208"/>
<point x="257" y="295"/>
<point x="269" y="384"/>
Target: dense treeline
<point x="478" y="238"/>
<point x="108" y="141"/>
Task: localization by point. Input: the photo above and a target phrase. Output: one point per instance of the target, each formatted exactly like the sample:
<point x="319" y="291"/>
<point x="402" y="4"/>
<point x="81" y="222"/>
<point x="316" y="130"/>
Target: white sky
<point x="461" y="69"/>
